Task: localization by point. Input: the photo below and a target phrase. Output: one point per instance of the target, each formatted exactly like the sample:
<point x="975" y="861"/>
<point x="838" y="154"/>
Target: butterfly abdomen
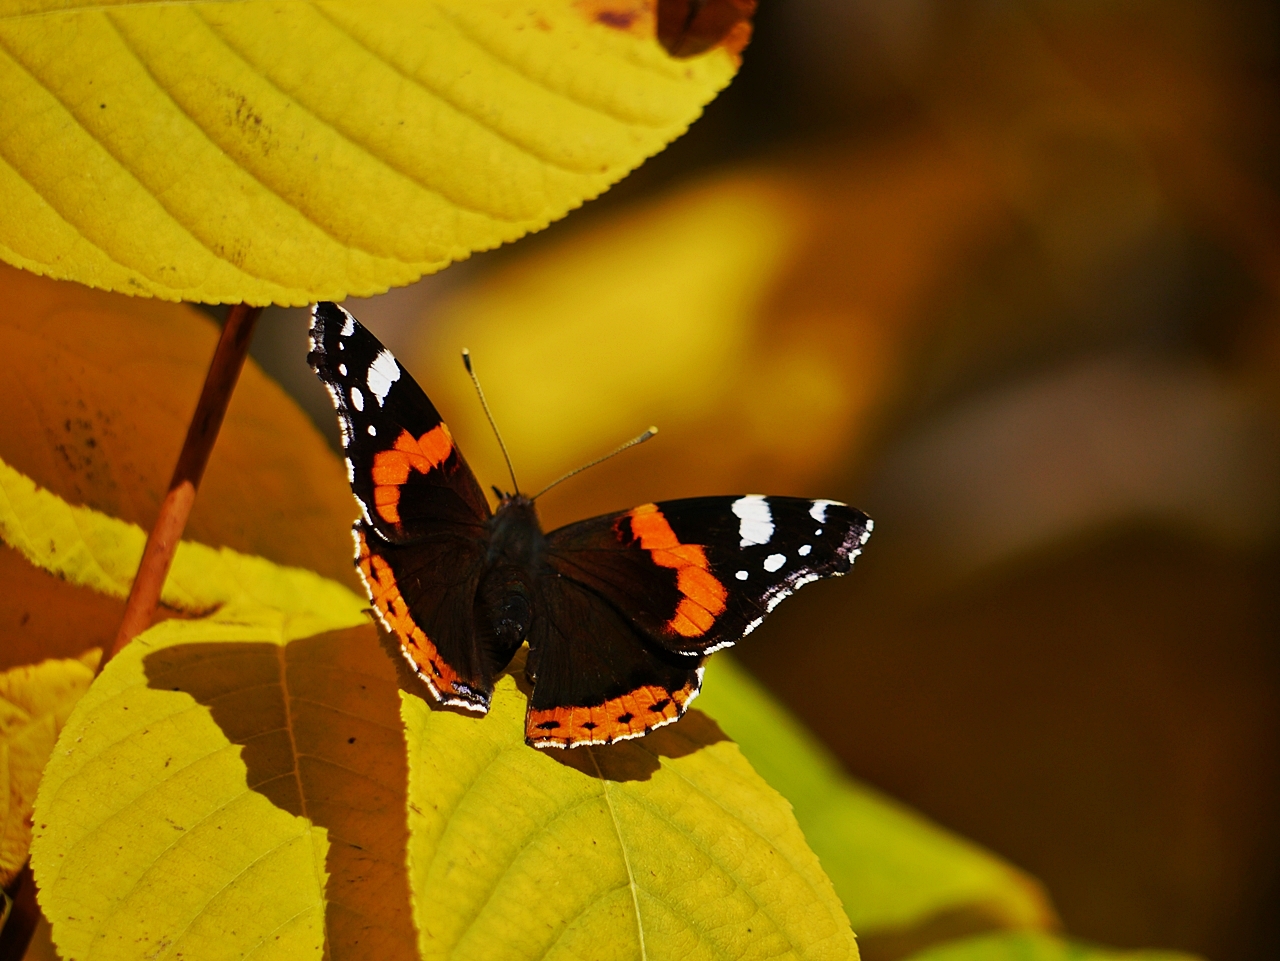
<point x="504" y="601"/>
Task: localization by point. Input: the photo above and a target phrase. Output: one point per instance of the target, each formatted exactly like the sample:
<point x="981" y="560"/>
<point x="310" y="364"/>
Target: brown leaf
<point x="105" y="386"/>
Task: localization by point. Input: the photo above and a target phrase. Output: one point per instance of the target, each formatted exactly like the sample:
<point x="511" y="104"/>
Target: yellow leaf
<point x="34" y="704"/>
<point x="293" y="152"/>
<point x="666" y="847"/>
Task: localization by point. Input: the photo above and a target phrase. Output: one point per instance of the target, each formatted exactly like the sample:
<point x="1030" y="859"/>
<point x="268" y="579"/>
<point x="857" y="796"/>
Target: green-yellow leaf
<point x="35" y="701"/>
<point x="894" y="870"/>
<point x="1035" y="946"/>
<point x="301" y="151"/>
<point x="666" y="847"/>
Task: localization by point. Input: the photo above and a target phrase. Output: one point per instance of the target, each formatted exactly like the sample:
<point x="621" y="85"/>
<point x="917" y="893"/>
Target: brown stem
<point x="162" y="542"/>
<point x="17" y="930"/>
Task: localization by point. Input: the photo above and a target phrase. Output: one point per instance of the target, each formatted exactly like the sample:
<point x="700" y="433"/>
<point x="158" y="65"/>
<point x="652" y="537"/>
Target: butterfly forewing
<point x="421" y="544"/>
<point x="405" y="470"/>
<point x="697" y="575"/>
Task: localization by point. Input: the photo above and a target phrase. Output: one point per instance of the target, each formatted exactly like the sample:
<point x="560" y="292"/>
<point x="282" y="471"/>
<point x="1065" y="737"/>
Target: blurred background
<point x="1006" y="275"/>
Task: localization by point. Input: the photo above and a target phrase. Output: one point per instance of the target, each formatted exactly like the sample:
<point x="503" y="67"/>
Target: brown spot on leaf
<point x="687" y="28"/>
<point x="631" y="16"/>
<point x="618" y="19"/>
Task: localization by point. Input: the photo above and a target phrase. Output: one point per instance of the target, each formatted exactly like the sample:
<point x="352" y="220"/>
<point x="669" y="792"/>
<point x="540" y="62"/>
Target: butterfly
<point x="619" y="611"/>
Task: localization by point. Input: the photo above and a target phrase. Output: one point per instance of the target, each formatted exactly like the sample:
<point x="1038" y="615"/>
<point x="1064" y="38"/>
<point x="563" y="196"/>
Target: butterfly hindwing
<point x="421" y="544"/>
<point x="698" y="574"/>
<point x="596" y="678"/>
<point x="425" y="594"/>
<point x="405" y="470"/>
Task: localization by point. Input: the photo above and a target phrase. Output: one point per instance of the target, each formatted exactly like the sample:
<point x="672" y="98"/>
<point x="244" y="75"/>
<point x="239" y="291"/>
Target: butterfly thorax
<point x="504" y="601"/>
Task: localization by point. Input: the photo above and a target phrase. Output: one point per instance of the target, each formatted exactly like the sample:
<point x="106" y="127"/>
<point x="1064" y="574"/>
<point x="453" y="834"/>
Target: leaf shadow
<point x="640" y="758"/>
<point x="318" y="723"/>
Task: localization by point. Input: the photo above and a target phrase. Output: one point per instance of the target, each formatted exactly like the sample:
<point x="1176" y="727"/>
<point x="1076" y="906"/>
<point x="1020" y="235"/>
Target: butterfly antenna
<point x="599" y="460"/>
<point x="466" y="362"/>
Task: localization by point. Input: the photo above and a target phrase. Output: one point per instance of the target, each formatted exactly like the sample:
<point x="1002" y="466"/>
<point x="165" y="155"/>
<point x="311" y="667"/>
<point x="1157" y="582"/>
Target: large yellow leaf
<point x="666" y="847"/>
<point x="223" y="792"/>
<point x="34" y="704"/>
<point x="290" y="152"/>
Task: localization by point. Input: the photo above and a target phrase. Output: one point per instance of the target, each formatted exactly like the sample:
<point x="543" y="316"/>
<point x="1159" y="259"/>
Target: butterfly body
<point x="618" y="611"/>
<point x="514" y="557"/>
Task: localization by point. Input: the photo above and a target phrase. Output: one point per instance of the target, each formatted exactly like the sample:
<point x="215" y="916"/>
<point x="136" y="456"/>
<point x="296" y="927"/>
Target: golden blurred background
<point x="1006" y="275"/>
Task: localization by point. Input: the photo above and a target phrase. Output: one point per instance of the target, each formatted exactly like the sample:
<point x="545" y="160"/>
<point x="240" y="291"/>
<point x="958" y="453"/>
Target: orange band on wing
<point x="380" y="581"/>
<point x="704" y="595"/>
<point x="391" y="467"/>
<point x="630" y="715"/>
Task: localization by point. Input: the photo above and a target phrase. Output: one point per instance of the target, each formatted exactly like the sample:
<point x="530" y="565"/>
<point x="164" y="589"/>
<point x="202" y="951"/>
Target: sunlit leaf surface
<point x="35" y="701"/>
<point x="670" y="846"/>
<point x="293" y="152"/>
<point x="92" y="550"/>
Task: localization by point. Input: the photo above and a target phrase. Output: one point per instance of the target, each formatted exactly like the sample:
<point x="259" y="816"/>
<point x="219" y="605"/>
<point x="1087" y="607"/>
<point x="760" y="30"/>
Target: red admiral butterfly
<point x="619" y="611"/>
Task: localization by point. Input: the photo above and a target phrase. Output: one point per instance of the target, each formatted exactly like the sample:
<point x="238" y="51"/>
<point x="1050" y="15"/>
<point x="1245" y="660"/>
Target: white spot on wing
<point x="755" y="520"/>
<point x="774" y="561"/>
<point x="348" y="323"/>
<point x="383" y="372"/>
<point x="342" y="369"/>
<point x="741" y="575"/>
<point x="818" y="511"/>
<point x="357" y="398"/>
<point x="373" y="431"/>
<point x="804" y="551"/>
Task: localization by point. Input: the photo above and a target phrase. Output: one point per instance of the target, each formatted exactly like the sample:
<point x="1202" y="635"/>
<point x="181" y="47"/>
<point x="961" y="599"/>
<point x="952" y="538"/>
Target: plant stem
<point x="162" y="542"/>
